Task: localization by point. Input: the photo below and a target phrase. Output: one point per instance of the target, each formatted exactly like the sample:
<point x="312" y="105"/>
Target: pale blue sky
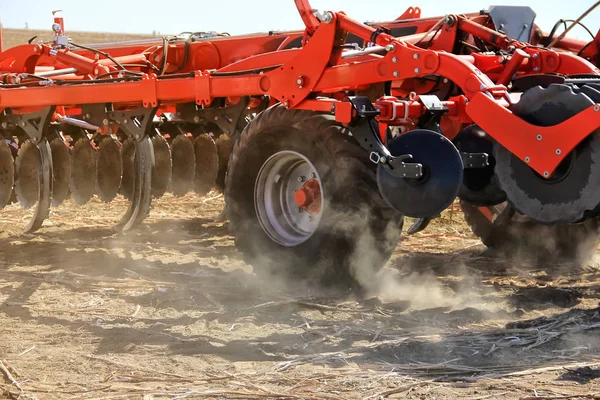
<point x="246" y="16"/>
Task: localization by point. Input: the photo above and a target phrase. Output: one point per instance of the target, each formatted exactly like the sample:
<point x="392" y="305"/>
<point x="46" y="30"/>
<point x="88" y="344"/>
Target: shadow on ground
<point x="477" y="313"/>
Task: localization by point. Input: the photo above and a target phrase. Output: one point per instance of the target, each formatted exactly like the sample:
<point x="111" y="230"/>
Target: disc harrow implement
<point x="322" y="140"/>
<point x="109" y="166"/>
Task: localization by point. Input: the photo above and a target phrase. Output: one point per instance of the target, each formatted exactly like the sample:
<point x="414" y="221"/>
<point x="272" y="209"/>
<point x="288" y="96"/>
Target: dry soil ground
<point x="171" y="311"/>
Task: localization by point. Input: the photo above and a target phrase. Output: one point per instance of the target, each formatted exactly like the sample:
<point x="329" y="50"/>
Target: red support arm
<point x="308" y="17"/>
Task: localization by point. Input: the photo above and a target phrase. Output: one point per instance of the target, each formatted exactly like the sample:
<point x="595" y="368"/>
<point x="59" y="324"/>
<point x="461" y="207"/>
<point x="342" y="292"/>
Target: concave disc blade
<point x="110" y="169"/>
<point x="161" y="168"/>
<point x="225" y="145"/>
<point x="207" y="164"/>
<point x="28" y="174"/>
<point x="184" y="165"/>
<point x="442" y="175"/>
<point x="83" y="171"/>
<point x="7" y="173"/>
<point x="127" y="156"/>
<point x="61" y="163"/>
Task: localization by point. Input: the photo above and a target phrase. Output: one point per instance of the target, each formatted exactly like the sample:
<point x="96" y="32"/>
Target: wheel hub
<point x="288" y="198"/>
<point x="308" y="197"/>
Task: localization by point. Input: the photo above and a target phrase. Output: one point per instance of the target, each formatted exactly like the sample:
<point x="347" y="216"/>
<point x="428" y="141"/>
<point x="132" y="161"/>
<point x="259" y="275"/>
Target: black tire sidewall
<point x="351" y="219"/>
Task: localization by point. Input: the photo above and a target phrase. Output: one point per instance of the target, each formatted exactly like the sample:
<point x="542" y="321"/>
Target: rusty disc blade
<point x="184" y="165"/>
<point x="61" y="162"/>
<point x="110" y="169"/>
<point x="207" y="164"/>
<point x="161" y="170"/>
<point x="127" y="157"/>
<point x="28" y="165"/>
<point x="7" y="173"/>
<point x="83" y="171"/>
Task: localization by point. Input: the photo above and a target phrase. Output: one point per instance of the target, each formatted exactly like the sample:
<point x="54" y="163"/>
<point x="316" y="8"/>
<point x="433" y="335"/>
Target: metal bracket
<point x="515" y="21"/>
<point x="432" y="103"/>
<point x="475" y="160"/>
<point x="435" y="110"/>
<point x="134" y="123"/>
<point x="226" y="117"/>
<point x="366" y="132"/>
<point x="96" y="114"/>
<point x="33" y="124"/>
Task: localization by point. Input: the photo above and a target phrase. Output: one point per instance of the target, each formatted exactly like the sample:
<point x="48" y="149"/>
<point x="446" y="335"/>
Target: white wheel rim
<point x="280" y="216"/>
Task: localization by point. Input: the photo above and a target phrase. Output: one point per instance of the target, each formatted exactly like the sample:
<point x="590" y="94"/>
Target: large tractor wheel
<point x="512" y="234"/>
<point x="302" y="200"/>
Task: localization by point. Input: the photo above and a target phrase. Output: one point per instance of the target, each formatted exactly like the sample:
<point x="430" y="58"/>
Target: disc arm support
<point x="137" y="124"/>
<point x="33" y="124"/>
<point x="226" y="118"/>
<point x="365" y="130"/>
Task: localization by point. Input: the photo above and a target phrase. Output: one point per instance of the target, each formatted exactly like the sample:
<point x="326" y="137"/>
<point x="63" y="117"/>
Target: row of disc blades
<point x="105" y="167"/>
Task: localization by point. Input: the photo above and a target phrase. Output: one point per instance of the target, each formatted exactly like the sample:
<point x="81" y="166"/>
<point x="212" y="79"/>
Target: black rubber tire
<point x="358" y="231"/>
<point x="532" y="241"/>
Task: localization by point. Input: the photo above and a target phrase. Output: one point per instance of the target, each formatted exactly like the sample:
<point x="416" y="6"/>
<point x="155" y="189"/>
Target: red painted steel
<point x="166" y="74"/>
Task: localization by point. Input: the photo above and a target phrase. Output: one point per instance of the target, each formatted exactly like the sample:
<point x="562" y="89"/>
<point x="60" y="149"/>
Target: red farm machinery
<point x="322" y="140"/>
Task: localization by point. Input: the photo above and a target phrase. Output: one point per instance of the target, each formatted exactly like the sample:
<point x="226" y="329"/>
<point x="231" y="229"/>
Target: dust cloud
<point x="413" y="283"/>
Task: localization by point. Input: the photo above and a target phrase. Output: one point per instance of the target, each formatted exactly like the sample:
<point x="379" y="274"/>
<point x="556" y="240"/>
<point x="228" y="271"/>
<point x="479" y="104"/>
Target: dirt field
<point x="171" y="311"/>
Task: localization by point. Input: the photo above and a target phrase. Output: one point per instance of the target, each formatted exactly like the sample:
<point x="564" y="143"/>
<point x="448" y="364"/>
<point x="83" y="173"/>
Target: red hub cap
<point x="308" y="197"/>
